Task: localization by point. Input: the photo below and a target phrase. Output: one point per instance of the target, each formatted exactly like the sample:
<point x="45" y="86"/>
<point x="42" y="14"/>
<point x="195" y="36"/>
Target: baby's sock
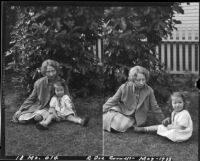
<point x="151" y="128"/>
<point x="80" y="120"/>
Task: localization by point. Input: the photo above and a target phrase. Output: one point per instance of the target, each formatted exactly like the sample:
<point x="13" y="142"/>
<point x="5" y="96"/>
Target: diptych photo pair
<point x="100" y="81"/>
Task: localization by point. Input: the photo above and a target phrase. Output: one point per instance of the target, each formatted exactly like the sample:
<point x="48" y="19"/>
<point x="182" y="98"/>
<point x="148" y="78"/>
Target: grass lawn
<point x="134" y="144"/>
<point x="63" y="139"/>
<point x="68" y="139"/>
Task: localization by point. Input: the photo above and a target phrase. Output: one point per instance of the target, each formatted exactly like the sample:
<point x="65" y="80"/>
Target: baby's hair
<point x="60" y="84"/>
<point x="179" y="95"/>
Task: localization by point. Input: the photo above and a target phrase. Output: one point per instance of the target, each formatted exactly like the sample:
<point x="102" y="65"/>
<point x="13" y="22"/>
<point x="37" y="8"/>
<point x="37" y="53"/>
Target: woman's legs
<point x="36" y="118"/>
<point x="121" y="122"/>
<point x="48" y="120"/>
<point x="152" y="128"/>
<point x="24" y="121"/>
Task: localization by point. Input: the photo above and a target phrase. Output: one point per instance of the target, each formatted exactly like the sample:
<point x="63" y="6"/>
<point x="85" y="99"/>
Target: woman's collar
<point x="137" y="88"/>
<point x="47" y="80"/>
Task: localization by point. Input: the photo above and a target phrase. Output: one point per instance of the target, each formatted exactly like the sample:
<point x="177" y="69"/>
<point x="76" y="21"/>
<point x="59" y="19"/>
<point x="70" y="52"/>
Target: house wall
<point x="180" y="52"/>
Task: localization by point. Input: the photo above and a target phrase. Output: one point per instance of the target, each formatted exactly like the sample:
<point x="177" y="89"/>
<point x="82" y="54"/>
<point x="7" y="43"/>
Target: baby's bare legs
<point x="151" y="128"/>
<point x="74" y="119"/>
<point x="146" y="129"/>
<point x="78" y="120"/>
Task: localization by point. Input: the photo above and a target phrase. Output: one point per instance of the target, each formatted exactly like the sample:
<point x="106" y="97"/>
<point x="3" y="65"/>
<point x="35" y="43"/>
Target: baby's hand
<point x="166" y="121"/>
<point x="170" y="126"/>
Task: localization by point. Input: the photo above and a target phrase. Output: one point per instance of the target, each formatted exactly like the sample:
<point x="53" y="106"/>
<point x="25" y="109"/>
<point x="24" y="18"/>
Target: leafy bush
<point x="68" y="34"/>
<point x="131" y="35"/>
<point x="65" y="34"/>
<point x="190" y="79"/>
<point x="162" y="83"/>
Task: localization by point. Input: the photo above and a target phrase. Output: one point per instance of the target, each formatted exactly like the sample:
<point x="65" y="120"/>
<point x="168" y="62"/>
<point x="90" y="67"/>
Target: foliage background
<point x="68" y="34"/>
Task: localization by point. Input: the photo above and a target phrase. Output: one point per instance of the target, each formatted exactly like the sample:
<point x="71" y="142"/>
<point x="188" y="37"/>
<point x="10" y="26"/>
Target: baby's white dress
<point x="64" y="108"/>
<point x="181" y="118"/>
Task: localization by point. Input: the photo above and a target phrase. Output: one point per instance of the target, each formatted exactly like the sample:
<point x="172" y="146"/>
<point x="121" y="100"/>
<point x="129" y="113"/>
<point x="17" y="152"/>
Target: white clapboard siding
<point x="191" y="35"/>
<point x="185" y="37"/>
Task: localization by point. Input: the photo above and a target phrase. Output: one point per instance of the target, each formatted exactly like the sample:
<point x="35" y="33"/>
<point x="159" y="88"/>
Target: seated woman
<point x="36" y="106"/>
<point x="131" y="103"/>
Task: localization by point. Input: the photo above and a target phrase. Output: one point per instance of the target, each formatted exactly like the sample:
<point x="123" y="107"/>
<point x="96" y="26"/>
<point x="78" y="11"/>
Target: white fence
<point x="98" y="51"/>
<point x="179" y="57"/>
<point x="180" y="52"/>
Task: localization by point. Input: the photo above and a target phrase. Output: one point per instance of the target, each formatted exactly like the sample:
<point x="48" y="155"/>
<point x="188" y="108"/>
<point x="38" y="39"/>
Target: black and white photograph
<point x="99" y="80"/>
<point x="53" y="81"/>
<point x="153" y="110"/>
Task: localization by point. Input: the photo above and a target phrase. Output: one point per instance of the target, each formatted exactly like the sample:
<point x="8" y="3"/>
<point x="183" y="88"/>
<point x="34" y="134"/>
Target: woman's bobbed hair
<point x="52" y="63"/>
<point x="135" y="70"/>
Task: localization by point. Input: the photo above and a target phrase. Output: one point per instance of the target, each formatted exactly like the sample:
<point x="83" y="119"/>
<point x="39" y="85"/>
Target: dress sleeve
<point x="183" y="120"/>
<point x="155" y="108"/>
<point x="52" y="105"/>
<point x="53" y="102"/>
<point x="31" y="99"/>
<point x="114" y="100"/>
<point x="67" y="101"/>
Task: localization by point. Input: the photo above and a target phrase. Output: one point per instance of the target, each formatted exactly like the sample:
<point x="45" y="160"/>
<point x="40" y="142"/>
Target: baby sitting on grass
<point x="61" y="109"/>
<point x="179" y="128"/>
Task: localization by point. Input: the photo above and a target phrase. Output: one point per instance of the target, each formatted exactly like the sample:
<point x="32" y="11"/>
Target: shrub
<point x="68" y="34"/>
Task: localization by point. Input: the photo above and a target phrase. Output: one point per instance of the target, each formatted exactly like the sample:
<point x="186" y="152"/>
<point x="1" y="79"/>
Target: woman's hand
<point x="166" y="121"/>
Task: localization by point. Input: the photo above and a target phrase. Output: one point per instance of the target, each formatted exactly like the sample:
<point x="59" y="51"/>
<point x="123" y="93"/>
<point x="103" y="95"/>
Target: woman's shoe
<point x="85" y="121"/>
